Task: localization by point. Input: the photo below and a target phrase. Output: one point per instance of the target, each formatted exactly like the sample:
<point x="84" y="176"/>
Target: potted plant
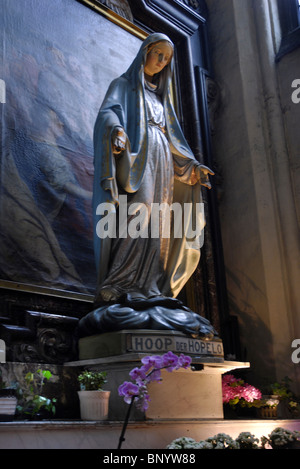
<point x="289" y="403"/>
<point x="282" y="438"/>
<point x="94" y="401"/>
<point x="269" y="405"/>
<point x="239" y="398"/>
<point x="8" y="401"/>
<point x="32" y="402"/>
<point x="245" y="440"/>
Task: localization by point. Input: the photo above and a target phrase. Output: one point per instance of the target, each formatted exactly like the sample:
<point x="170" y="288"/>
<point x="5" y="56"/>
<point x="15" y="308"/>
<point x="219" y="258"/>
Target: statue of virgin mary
<point x="143" y="163"/>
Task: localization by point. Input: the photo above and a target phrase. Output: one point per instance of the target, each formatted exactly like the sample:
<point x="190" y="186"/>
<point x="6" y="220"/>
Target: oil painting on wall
<point x="56" y="59"/>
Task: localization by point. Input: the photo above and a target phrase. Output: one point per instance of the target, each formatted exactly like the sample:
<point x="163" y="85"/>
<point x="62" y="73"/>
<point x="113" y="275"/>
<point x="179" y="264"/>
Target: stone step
<point x="72" y="434"/>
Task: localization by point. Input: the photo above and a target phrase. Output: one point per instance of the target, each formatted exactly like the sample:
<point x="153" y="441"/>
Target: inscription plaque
<point x="145" y="341"/>
<point x="148" y="343"/>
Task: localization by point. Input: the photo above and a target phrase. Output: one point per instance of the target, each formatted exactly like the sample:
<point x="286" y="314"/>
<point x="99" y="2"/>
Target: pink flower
<point x="250" y="393"/>
<point x="229" y="379"/>
<point x="234" y="389"/>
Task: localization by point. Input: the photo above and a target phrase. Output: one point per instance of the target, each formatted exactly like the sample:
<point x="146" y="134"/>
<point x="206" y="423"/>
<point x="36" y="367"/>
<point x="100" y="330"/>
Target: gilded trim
<point x="117" y="19"/>
<point x="27" y="288"/>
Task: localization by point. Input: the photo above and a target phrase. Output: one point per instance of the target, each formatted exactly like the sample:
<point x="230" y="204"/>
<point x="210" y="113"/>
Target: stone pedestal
<point x="195" y="393"/>
<point x="149" y="342"/>
<point x="187" y="394"/>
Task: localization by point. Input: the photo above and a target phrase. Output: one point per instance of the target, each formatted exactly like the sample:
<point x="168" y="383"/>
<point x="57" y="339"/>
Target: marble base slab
<point x="186" y="394"/>
<point x="147" y="435"/>
<point x="195" y="393"/>
<point x="148" y="342"/>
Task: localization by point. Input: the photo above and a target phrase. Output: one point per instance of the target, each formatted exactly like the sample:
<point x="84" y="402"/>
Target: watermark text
<point x="296" y="353"/>
<point x="2" y="351"/>
<point x="296" y="93"/>
<point x="157" y="220"/>
<point x="2" y="92"/>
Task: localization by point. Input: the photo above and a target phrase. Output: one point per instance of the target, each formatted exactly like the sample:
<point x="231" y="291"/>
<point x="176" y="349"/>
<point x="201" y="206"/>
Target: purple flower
<point x="128" y="390"/>
<point x="154" y="375"/>
<point x="184" y="361"/>
<point x="170" y="361"/>
<point x="148" y="372"/>
<point x="143" y="402"/>
<point x="154" y="361"/>
<point x="138" y="374"/>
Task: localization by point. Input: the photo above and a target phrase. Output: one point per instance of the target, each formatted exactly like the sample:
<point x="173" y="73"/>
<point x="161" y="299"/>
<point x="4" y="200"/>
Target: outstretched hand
<point x="203" y="175"/>
<point x="118" y="140"/>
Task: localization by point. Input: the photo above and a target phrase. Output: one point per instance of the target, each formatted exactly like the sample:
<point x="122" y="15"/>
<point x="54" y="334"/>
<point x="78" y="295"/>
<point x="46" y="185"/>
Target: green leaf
<point x="47" y="374"/>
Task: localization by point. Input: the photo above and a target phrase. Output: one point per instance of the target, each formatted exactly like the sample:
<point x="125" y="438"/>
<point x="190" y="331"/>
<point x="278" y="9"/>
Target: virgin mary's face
<point x="158" y="57"/>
